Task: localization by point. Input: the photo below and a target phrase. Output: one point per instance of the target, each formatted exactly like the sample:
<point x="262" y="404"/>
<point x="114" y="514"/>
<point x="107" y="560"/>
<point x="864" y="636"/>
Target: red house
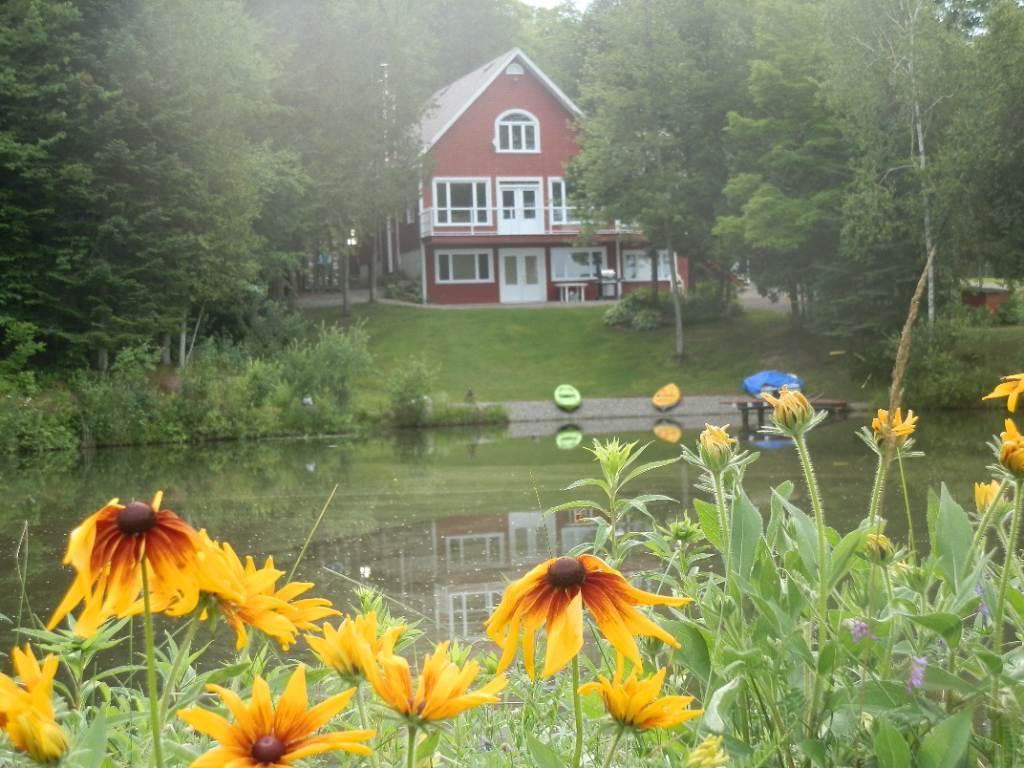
<point x="496" y="219"/>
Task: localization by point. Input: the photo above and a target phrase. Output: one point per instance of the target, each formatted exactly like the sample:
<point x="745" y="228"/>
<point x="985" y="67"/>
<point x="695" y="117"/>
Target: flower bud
<point x="893" y="427"/>
<point x="793" y="413"/>
<point x="985" y="494"/>
<point x="716" y="447"/>
<point x="1011" y="453"/>
<point x="878" y="547"/>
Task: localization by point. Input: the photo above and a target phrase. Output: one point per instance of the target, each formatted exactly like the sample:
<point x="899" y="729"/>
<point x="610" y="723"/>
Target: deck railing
<point x="473" y="222"/>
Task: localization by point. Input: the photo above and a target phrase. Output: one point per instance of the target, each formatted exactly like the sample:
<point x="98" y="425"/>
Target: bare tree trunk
<point x="677" y="309"/>
<point x="929" y="245"/>
<point x="195" y="333"/>
<point x="182" y="340"/>
<point x="899" y="368"/>
<point x="102" y="359"/>
<point x="922" y="160"/>
<point x="654" y="274"/>
<point x="374" y="255"/>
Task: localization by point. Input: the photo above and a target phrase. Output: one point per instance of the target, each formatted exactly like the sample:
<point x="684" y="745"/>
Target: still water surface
<point x="439" y="521"/>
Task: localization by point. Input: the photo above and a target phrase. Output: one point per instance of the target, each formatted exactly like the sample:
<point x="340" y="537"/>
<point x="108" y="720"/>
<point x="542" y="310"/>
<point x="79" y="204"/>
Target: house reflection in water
<point x="449" y="573"/>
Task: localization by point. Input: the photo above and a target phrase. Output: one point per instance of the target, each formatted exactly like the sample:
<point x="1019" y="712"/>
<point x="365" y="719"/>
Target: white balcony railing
<point x="474" y="222"/>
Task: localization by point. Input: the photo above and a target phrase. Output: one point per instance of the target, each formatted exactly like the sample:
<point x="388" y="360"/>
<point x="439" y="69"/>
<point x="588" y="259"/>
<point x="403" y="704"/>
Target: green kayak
<point x="569" y="437"/>
<point x="567" y="397"/>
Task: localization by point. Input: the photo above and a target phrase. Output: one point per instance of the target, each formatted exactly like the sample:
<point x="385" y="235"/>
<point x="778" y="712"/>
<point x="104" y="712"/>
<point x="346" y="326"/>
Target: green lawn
<point x="522" y="354"/>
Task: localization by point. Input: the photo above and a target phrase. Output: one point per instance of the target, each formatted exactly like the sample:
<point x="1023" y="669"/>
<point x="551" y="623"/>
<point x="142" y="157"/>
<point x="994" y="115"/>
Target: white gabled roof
<point x="449" y="103"/>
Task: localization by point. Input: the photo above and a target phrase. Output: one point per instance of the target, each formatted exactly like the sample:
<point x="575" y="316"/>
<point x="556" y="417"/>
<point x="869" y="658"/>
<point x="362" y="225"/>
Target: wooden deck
<point x="748" y="405"/>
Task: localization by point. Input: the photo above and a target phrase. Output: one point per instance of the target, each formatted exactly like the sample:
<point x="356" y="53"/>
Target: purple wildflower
<point x="983" y="606"/>
<point x="859" y="629"/>
<point x="918" y="664"/>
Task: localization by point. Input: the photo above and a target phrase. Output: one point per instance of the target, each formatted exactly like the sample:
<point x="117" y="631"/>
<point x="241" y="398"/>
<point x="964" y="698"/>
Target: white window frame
<point x="555" y="252"/>
<point x="664" y="265"/>
<point x="502" y="119"/>
<point x="477" y="252"/>
<point x="567" y="212"/>
<point x="474" y="181"/>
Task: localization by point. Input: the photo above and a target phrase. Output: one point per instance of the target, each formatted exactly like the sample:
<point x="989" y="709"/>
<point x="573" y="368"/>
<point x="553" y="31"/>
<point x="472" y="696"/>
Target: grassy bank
<point x="522" y="354"/>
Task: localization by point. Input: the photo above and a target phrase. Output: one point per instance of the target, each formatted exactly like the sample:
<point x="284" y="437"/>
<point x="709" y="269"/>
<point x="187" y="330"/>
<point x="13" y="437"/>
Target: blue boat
<point x="770" y="381"/>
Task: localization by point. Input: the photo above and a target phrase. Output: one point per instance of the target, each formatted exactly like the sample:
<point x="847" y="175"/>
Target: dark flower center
<point x="137" y="517"/>
<point x="566" y="572"/>
<point x="267" y="749"/>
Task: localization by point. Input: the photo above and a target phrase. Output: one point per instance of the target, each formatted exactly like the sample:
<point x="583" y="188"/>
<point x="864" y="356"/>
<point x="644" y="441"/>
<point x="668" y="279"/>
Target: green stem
<point x="1004" y="578"/>
<point x="906" y="504"/>
<point x="615" y="743"/>
<point x="823" y="591"/>
<point x="312" y="533"/>
<point x="577" y="708"/>
<point x="410" y="753"/>
<point x="363" y="722"/>
<point x="986" y="519"/>
<point x="154" y="704"/>
<point x="878" y="488"/>
<point x="179" y="659"/>
<point x="723" y="517"/>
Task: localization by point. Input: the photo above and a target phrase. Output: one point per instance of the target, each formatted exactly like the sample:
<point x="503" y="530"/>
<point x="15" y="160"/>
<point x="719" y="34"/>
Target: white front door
<point x="521" y="275"/>
<point x="519" y="211"/>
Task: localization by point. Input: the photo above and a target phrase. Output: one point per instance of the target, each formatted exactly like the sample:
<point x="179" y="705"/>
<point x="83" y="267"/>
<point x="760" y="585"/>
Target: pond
<point x="436" y="520"/>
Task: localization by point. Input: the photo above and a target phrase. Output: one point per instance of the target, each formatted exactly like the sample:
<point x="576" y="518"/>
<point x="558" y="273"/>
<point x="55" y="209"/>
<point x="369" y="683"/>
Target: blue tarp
<point x="769" y="381"/>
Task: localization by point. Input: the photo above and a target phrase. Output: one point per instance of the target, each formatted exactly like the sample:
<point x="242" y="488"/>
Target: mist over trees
<point x="169" y="165"/>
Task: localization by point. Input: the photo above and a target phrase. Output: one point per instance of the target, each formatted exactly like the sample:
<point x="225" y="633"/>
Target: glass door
<point x="519" y="212"/>
<point x="522" y="275"/>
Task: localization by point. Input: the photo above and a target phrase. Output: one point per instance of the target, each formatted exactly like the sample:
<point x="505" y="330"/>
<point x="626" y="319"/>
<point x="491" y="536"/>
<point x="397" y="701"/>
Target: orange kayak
<point x="667" y="398"/>
<point x="668" y="431"/>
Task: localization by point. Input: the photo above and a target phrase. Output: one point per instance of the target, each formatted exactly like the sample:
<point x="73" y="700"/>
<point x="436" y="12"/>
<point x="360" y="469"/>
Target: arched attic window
<point x="516" y="131"/>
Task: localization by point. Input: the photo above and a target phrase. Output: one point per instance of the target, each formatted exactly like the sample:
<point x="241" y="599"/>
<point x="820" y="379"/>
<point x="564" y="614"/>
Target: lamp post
<point x="350" y="246"/>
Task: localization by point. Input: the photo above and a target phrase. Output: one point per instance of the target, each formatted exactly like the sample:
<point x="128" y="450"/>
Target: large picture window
<point x="461" y="201"/>
<point x="636" y="266"/>
<point x="577" y="263"/>
<point x="559" y="192"/>
<point x="516" y="131"/>
<point x="463" y="266"/>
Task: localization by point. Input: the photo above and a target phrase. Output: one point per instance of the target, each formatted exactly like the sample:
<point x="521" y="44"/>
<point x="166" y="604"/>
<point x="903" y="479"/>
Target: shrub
<point x="646" y="319"/>
<point x="643" y="312"/>
<point x="401" y="287"/>
<point x="409" y="393"/>
<point x="952" y="363"/>
<point x="31" y="422"/>
<point x="121" y="406"/>
<point x="1011" y="312"/>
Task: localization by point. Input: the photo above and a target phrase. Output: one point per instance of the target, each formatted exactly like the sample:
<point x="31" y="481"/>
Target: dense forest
<point x="169" y="164"/>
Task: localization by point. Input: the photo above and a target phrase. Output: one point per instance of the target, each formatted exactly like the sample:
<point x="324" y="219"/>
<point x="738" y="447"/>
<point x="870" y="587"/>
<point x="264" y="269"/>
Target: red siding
<point x="466" y="149"/>
<point x="460" y="293"/>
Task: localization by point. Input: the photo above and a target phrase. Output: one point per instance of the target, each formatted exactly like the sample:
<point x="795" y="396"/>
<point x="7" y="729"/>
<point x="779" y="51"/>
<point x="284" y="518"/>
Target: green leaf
<point x="543" y="756"/>
<point x="945" y="745"/>
<point x="842" y="555"/>
<point x="801" y="528"/>
<point x="425" y="749"/>
<point x="92" y="749"/>
<point x="707" y="514"/>
<point x="814" y="750"/>
<point x="693" y="652"/>
<point x="952" y="538"/>
<point x="891" y="748"/>
<point x="643" y="469"/>
<point x="938" y="679"/>
<point x="744" y="534"/>
<point x="719" y="704"/>
<point x="946" y="624"/>
<point x="827" y="658"/>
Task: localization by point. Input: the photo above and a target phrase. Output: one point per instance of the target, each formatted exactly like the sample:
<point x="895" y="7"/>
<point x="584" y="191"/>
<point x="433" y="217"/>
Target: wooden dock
<point x="748" y="405"/>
